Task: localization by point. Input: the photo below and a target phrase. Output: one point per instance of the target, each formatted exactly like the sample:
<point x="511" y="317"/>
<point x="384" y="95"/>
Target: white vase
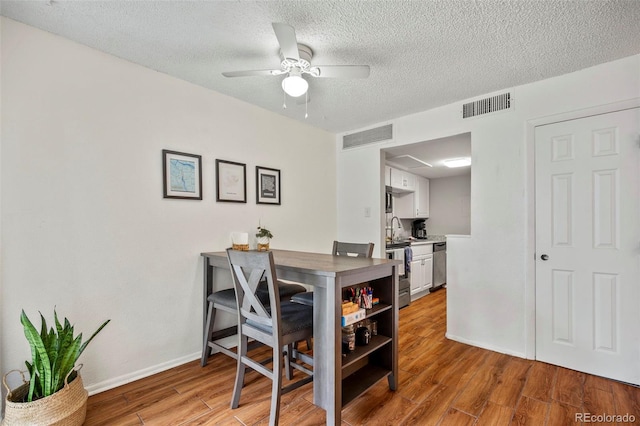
<point x="263" y="243"/>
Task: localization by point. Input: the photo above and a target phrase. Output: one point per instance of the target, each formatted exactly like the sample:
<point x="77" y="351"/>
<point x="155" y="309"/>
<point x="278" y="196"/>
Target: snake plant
<point x="53" y="355"/>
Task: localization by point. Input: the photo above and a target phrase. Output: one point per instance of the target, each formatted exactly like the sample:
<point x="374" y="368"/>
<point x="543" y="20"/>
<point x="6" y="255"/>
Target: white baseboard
<point x="485" y="346"/>
<point x="140" y="374"/>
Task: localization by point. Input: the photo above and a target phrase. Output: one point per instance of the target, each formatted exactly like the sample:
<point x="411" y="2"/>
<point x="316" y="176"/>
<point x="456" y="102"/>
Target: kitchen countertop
<point x="432" y="239"/>
<point x="415" y="242"/>
<point x="422" y="242"/>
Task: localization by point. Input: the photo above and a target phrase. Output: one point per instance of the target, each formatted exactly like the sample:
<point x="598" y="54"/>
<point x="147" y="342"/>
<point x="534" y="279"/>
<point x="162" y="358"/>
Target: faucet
<point x="393" y="239"/>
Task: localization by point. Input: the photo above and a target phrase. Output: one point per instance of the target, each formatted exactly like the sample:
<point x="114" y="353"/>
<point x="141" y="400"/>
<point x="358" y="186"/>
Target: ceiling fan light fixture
<point x="294" y="85"/>
<point x="457" y="162"/>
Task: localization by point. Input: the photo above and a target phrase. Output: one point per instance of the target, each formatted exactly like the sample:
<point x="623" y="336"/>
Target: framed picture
<point x="267" y="185"/>
<point x="181" y="175"/>
<point x="231" y="181"/>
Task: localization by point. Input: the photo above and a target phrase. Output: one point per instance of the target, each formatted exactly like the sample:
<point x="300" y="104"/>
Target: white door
<point x="588" y="244"/>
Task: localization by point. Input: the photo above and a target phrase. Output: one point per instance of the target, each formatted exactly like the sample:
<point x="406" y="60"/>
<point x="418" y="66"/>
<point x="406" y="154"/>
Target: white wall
<point x="450" y="205"/>
<point x="2" y="392"/>
<point x="84" y="224"/>
<point x="487" y="297"/>
<point x="366" y="189"/>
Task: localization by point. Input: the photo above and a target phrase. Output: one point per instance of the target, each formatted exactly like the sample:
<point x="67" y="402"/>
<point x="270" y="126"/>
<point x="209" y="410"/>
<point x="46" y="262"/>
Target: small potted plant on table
<point x="54" y="393"/>
<point x="264" y="237"/>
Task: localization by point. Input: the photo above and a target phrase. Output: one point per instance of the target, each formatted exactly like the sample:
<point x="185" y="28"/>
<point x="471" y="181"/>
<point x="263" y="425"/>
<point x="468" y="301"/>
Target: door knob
<point x="544" y="257"/>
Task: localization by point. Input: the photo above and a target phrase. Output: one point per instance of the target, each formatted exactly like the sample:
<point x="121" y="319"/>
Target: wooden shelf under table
<point x="352" y="387"/>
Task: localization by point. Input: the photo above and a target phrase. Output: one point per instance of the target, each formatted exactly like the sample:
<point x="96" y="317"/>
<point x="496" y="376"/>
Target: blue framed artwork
<point x="182" y="175"/>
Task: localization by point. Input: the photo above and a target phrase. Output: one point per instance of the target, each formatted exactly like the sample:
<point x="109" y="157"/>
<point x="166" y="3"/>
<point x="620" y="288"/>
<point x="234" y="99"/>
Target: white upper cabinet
<point x="401" y="180"/>
<point x="413" y="205"/>
<point x="403" y="205"/>
<point x="410" y="181"/>
<point x="421" y="197"/>
<point x="387" y="176"/>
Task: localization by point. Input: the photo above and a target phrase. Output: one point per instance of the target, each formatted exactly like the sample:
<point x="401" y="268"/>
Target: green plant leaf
<point x="264" y="232"/>
<point x="44" y="334"/>
<point x="55" y="318"/>
<point x="84" y="345"/>
<point x="44" y="379"/>
<point x="59" y="364"/>
<point x="68" y="358"/>
<point x="38" y="353"/>
<point x="32" y="382"/>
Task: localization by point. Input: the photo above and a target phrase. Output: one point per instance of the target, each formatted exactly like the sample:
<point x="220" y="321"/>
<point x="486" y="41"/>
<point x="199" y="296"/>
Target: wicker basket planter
<point x="67" y="407"/>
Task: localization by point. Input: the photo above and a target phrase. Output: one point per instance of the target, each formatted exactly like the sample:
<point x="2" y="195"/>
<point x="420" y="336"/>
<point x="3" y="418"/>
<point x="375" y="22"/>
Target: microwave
<point x="388" y="203"/>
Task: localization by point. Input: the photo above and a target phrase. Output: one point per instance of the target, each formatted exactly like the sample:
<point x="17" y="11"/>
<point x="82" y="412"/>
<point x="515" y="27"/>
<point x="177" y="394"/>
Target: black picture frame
<point x="181" y="175"/>
<point x="231" y="182"/>
<point x="268" y="186"/>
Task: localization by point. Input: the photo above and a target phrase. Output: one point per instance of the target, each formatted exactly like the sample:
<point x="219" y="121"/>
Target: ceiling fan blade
<point x="286" y="36"/>
<point x="251" y="73"/>
<point x="341" y="71"/>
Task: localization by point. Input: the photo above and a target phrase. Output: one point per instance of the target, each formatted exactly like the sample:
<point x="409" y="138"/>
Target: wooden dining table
<point x="337" y="379"/>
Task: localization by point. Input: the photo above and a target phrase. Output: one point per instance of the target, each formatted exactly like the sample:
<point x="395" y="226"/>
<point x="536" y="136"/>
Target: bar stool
<point x="276" y="324"/>
<point x="225" y="300"/>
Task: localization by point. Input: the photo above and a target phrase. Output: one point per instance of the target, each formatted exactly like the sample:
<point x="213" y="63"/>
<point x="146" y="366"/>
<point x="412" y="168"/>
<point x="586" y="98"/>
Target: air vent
<point x="365" y="137"/>
<point x="487" y="105"/>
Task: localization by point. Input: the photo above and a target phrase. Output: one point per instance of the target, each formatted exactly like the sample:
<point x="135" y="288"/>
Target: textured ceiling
<point x="423" y="54"/>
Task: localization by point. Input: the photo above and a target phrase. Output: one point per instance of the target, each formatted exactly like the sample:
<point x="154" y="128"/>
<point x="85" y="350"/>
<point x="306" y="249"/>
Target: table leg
<point x="207" y="277"/>
<point x="393" y="377"/>
<point x="327" y="363"/>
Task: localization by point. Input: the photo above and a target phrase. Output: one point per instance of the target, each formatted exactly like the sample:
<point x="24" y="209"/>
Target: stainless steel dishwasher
<point x="439" y="264"/>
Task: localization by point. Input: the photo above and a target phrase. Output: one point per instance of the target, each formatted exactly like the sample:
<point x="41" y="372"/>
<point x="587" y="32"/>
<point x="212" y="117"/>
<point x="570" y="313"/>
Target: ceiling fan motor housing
<point x="303" y="64"/>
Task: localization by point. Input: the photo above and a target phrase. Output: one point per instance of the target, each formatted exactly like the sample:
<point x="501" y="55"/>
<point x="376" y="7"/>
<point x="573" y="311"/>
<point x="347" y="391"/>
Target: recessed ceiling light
<point x="457" y="162"/>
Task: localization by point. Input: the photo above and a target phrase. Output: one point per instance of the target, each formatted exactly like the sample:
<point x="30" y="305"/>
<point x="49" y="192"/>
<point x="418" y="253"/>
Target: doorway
<point x="449" y="193"/>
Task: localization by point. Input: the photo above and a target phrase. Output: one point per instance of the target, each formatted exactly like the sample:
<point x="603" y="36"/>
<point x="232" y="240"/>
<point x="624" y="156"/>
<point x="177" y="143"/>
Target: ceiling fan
<point x="296" y="61"/>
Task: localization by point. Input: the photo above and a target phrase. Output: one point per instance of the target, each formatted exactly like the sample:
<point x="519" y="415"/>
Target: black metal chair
<point x="278" y="324"/>
<point x="225" y="300"/>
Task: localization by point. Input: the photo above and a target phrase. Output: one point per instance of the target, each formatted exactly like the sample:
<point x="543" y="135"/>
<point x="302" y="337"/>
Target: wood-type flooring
<point x="441" y="382"/>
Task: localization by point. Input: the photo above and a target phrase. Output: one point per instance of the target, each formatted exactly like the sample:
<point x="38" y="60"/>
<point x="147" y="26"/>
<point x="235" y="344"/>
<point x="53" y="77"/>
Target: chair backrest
<point x="248" y="268"/>
<point x="352" y="249"/>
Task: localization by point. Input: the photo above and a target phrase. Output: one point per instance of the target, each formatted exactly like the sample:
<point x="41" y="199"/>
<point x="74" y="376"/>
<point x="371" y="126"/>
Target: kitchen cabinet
<point x="421" y="268"/>
<point x="387" y="176"/>
<point x="403" y="205"/>
<point x="402" y="181"/>
<point x="413" y="205"/>
<point x="421" y="198"/>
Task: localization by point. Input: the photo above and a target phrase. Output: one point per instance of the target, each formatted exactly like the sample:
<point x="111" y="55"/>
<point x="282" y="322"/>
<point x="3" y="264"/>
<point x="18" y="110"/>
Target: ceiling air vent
<point x="486" y="105"/>
<point x="378" y="134"/>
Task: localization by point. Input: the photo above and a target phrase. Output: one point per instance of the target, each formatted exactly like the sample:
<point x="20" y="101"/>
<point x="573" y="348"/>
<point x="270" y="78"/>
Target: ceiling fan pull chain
<point x="306" y="104"/>
<point x="284" y="100"/>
